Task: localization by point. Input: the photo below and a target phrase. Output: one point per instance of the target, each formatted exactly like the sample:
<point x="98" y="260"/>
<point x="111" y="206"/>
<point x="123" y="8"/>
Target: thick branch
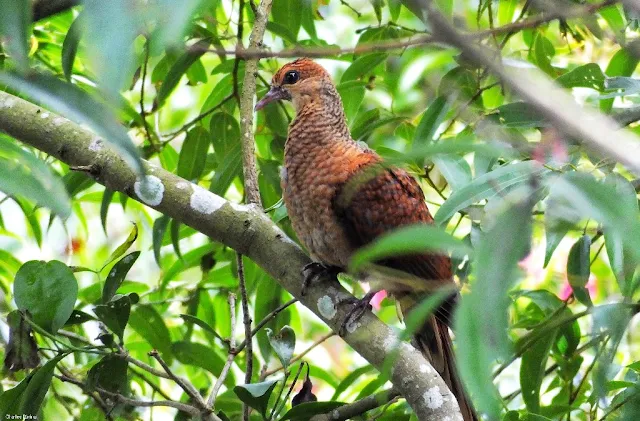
<point x="596" y="130"/>
<point x="244" y="228"/>
<point x="246" y="105"/>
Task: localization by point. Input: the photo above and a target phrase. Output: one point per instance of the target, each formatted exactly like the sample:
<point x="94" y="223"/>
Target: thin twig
<point x="402" y="43"/>
<point x="230" y="357"/>
<point x="189" y="409"/>
<point x="246" y="319"/>
<point x="143" y="113"/>
<point x="264" y="321"/>
<point x="344" y="3"/>
<point x="184" y="384"/>
<point x="359" y="407"/>
<point x="280" y="404"/>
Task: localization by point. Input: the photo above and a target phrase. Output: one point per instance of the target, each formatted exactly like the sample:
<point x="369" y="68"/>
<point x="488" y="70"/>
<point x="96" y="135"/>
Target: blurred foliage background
<point x="550" y="289"/>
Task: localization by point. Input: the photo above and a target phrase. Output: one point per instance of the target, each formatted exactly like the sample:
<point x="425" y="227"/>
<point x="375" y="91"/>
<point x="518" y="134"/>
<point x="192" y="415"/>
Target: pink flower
<point x="377" y="299"/>
<point x="567" y="290"/>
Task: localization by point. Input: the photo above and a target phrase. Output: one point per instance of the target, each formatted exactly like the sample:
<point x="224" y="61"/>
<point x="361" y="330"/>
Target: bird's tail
<point x="434" y="342"/>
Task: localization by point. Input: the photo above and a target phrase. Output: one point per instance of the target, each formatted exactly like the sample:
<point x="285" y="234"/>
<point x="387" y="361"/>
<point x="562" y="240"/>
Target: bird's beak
<point x="276" y="93"/>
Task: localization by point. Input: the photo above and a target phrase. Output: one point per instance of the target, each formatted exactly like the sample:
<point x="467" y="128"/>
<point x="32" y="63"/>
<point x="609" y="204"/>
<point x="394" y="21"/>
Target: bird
<point x="341" y="196"/>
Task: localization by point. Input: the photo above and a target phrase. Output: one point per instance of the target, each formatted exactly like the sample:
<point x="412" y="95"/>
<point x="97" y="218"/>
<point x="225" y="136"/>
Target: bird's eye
<point x="291" y="77"/>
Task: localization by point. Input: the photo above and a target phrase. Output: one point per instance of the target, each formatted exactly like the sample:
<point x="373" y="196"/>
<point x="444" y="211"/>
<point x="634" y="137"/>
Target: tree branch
<point x="249" y="166"/>
<point x="189" y="409"/>
<point x="591" y="127"/>
<point x="243" y="228"/>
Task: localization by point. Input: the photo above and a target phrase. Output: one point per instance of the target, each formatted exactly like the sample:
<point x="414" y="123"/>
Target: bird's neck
<point x="319" y="123"/>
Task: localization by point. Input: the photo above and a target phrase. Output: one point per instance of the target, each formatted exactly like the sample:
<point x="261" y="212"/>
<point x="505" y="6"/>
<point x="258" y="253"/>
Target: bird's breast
<point x="309" y="185"/>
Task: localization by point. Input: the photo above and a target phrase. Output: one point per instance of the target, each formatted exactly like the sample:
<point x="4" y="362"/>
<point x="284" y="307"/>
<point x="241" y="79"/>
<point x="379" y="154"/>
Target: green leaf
<point x="202" y="356"/>
<point x="70" y="47"/>
<point x="352" y="94"/>
<point x="110" y="373"/>
<point x="271" y="297"/>
<point x="303" y="411"/>
<point x="122" y="248"/>
<point x="532" y="370"/>
<point x="543" y="51"/>
<point x="32" y="220"/>
<point x="488" y="185"/>
<point x="179" y="68"/>
<point x="579" y="269"/>
<point x="362" y="66"/>
<point x="104" y="207"/>
<point x="621" y="259"/>
<point x="281" y="31"/>
<point x="24" y="175"/>
<point x="175" y="237"/>
<point x="77" y="105"/>
<point x="193" y="154"/>
<point x="10" y="399"/>
<point x="148" y="323"/>
<point x="33" y="395"/>
<point x="412" y="239"/>
<point x="351" y="378"/>
<point x="283" y="343"/>
<point x="159" y="228"/>
<point x="78" y="317"/>
<point x="230" y="168"/>
<point x="481" y="335"/>
<point x="189" y="260"/>
<point x="115" y="314"/>
<point x="621" y="64"/>
<point x="204" y="325"/>
<point x="15" y="20"/>
<point x="110" y="30"/>
<point x="599" y="201"/>
<point x="431" y="119"/>
<point x="48" y="290"/>
<point x="225" y="133"/>
<point x="446" y="7"/>
<point x="256" y="395"/>
<point x="308" y="18"/>
<point x="589" y="75"/>
<point x="288" y="13"/>
<point x="117" y="274"/>
<point x="455" y="170"/>
<point x="519" y="115"/>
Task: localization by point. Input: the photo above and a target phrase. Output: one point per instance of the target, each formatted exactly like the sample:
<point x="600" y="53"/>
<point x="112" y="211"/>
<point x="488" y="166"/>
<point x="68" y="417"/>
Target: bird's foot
<point x="318" y="271"/>
<point x="360" y="306"/>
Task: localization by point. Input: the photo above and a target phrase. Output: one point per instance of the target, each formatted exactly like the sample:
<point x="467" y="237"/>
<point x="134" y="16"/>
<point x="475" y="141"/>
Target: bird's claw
<point x="319" y="271"/>
<point x="360" y="306"/>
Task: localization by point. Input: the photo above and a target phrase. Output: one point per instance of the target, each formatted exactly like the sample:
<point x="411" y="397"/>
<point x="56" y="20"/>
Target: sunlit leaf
<point x="481" y="335"/>
<point x="23" y="174"/>
<point x="488" y="185"/>
<point x="256" y="395"/>
<point x="412" y="239"/>
<point x="48" y="290"/>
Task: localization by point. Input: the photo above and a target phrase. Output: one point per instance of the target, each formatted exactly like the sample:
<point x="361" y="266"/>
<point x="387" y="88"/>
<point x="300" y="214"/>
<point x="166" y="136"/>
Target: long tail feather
<point x="434" y="342"/>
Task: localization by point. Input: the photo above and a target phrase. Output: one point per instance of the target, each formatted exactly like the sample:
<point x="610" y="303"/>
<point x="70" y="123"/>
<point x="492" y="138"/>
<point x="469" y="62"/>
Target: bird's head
<point x="297" y="81"/>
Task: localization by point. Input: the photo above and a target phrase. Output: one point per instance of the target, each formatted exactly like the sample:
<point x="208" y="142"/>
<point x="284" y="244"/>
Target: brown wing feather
<point x="389" y="200"/>
<point x="381" y="202"/>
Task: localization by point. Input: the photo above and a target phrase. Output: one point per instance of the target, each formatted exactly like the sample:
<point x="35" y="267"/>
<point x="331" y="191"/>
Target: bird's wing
<point x="378" y="200"/>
